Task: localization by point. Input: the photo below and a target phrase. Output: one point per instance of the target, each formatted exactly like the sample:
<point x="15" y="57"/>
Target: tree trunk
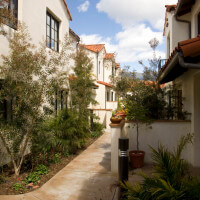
<point x="137" y="128"/>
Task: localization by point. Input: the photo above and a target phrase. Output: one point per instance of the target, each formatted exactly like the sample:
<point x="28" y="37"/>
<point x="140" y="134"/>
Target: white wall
<point x="166" y="133"/>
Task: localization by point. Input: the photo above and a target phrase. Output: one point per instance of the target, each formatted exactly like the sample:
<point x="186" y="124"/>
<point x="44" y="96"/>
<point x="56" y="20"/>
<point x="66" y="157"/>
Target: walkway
<point x="87" y="177"/>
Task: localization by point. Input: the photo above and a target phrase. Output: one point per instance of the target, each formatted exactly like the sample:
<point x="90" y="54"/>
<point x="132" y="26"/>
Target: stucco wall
<point x="104" y="117"/>
<point x="166" y="133"/>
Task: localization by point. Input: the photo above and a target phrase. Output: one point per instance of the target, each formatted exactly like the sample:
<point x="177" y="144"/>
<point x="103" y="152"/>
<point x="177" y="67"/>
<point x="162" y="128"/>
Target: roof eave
<point x="166" y="71"/>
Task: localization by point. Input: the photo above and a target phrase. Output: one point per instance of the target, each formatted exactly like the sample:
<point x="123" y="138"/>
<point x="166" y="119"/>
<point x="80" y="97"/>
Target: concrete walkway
<point x="87" y="177"/>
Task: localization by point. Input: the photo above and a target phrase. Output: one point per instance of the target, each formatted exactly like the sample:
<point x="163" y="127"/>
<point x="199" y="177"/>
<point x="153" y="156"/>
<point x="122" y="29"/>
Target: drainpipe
<point x="187" y="65"/>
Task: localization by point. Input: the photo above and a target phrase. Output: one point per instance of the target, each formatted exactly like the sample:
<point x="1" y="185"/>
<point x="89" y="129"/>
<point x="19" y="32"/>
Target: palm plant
<point x="170" y="180"/>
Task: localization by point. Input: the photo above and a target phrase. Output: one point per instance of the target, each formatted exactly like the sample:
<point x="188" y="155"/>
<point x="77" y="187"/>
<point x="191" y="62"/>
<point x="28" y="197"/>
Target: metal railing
<point x="161" y="64"/>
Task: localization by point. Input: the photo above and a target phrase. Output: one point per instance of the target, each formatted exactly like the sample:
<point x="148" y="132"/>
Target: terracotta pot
<point x="136" y="159"/>
<point x="115" y="120"/>
<point x="121" y="114"/>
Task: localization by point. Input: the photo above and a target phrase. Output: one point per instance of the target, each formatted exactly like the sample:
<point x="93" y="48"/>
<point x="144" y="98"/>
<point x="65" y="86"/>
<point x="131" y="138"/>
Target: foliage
<point x="150" y="72"/>
<point x="64" y="133"/>
<point x="81" y="87"/>
<point x="143" y="104"/>
<point x="41" y="169"/>
<point x="18" y="186"/>
<point x="97" y="130"/>
<point x="26" y="87"/>
<point x="56" y="158"/>
<point x="2" y="179"/>
<point x="122" y="83"/>
<point x="6" y="16"/>
<point x="171" y="179"/>
<point x="33" y="177"/>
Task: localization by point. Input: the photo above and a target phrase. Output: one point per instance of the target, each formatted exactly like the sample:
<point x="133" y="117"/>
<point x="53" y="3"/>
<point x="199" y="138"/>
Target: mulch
<point x="6" y="188"/>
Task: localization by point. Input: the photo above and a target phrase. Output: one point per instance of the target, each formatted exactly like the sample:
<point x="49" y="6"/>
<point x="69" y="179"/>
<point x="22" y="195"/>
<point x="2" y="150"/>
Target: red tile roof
<point x="109" y="56"/>
<point x="170" y="8"/>
<point x="70" y="17"/>
<point x="95" y="47"/>
<point x="189" y="48"/>
<point x="104" y="83"/>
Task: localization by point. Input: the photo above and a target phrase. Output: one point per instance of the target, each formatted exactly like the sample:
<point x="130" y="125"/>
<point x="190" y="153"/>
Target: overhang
<point x="184" y="7"/>
<point x="185" y="56"/>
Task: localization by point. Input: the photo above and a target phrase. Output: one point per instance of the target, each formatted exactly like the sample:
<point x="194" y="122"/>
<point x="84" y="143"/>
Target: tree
<point x="122" y="83"/>
<point x="30" y="76"/>
<point x="82" y="93"/>
<point x="150" y="73"/>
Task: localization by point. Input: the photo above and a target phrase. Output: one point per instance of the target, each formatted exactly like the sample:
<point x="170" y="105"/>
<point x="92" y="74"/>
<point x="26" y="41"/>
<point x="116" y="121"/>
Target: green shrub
<point x="97" y="130"/>
<point x="170" y="180"/>
<point x="33" y="177"/>
<point x="2" y="179"/>
<point x="56" y="158"/>
<point x="18" y="186"/>
<point x="65" y="132"/>
<point x="41" y="169"/>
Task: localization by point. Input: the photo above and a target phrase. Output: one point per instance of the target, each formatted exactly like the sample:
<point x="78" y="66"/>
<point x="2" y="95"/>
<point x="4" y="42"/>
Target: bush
<point x="64" y="133"/>
<point x="97" y="130"/>
<point x="56" y="158"/>
<point x="41" y="169"/>
<point x="18" y="186"/>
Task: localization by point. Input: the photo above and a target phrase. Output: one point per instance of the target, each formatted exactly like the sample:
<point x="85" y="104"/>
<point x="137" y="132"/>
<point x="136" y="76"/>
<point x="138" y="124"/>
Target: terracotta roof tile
<point x="109" y="56"/>
<point x="95" y="47"/>
<point x="190" y="48"/>
<point x="70" y="17"/>
<point x="104" y="83"/>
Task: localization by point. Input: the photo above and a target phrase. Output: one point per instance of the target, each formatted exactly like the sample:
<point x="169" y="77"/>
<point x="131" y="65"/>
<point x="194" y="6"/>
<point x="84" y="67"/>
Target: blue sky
<point x="124" y="26"/>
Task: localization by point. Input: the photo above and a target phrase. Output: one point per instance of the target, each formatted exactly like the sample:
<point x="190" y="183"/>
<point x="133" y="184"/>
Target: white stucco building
<point x="182" y="67"/>
<point x="104" y="66"/>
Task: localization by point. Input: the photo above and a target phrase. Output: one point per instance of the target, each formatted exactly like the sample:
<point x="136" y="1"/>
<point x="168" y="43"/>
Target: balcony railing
<point x="161" y="64"/>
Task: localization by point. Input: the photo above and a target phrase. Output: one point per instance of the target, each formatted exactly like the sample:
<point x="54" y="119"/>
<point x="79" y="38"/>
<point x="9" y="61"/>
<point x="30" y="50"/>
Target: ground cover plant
<point x="171" y="179"/>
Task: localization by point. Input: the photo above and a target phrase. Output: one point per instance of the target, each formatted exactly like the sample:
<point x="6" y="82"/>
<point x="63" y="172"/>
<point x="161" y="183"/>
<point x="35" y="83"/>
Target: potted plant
<point x="138" y="113"/>
<point x="115" y="119"/>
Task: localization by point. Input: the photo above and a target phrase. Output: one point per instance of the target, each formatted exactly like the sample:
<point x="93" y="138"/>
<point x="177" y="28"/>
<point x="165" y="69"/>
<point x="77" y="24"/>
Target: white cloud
<point x="130" y="12"/>
<point x="83" y="7"/>
<point x="131" y="44"/>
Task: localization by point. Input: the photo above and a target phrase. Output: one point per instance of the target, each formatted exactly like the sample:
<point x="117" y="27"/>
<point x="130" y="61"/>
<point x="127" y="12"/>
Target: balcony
<point x="161" y="64"/>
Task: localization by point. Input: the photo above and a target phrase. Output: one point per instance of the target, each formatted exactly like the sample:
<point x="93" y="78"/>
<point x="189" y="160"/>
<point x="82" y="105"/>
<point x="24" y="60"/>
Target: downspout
<point x="187" y="65"/>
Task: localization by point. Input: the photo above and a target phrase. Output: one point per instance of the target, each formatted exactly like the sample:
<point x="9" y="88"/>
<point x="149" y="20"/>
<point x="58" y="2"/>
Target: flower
<point x="18" y="179"/>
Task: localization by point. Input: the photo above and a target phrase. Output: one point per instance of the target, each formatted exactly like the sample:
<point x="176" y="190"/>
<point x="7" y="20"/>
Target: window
<point x="108" y="96"/>
<point x="52" y="32"/>
<point x="112" y="96"/>
<point x="99" y="66"/>
<point x="60" y="100"/>
<point x="12" y="14"/>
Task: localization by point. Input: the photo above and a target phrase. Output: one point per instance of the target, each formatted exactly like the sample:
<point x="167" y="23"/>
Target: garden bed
<point x="6" y="188"/>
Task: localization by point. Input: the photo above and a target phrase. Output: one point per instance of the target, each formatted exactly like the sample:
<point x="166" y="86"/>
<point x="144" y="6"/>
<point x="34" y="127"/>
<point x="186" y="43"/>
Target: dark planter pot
<point x="115" y="120"/>
<point x="136" y="159"/>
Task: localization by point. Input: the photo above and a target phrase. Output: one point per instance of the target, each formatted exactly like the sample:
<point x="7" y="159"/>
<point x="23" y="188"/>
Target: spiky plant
<point x="170" y="180"/>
